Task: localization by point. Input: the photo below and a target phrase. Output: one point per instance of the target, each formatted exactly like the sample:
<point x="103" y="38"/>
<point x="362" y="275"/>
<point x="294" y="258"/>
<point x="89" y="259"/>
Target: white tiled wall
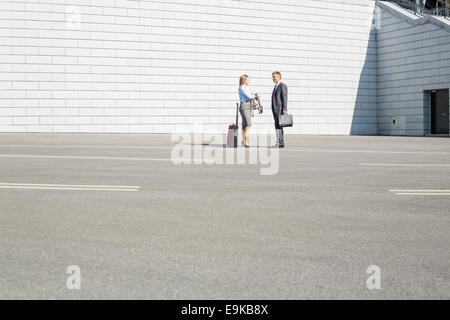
<point x="413" y="57"/>
<point x="160" y="66"/>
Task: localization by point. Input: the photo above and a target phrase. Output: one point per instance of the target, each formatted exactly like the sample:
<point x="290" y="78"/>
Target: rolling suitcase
<point x="233" y="131"/>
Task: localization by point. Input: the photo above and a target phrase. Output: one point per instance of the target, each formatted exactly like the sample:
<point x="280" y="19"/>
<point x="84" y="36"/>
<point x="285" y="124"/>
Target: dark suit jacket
<point x="280" y="99"/>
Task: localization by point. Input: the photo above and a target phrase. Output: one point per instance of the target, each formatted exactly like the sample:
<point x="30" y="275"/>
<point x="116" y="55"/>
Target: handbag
<point x="286" y="120"/>
<point x="255" y="104"/>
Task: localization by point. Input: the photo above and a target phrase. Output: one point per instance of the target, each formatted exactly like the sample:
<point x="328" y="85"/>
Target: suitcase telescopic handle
<point x="237" y="112"/>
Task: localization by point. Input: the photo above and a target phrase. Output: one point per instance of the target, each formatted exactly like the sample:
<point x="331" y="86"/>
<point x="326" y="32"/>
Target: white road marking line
<point x="67" y="185"/>
<point x="62" y="188"/>
<point x="189" y="160"/>
<point x="406" y="164"/>
<point x="404" y="191"/>
<point x="82" y="146"/>
<point x="198" y="146"/>
<point x="368" y="151"/>
<point x="423" y="194"/>
<point x="80" y="157"/>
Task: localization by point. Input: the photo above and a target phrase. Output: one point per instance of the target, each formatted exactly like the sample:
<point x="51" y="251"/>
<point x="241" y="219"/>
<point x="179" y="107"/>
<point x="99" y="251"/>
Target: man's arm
<point x="284" y="98"/>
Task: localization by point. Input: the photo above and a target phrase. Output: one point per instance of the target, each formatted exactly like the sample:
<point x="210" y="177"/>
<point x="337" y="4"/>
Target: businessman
<point x="279" y="106"/>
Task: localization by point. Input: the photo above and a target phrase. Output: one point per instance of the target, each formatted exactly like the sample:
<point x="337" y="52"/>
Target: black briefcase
<point x="286" y="120"/>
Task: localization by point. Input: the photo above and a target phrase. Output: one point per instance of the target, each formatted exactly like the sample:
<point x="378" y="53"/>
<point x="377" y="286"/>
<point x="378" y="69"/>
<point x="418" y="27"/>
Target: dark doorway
<point x="439" y="112"/>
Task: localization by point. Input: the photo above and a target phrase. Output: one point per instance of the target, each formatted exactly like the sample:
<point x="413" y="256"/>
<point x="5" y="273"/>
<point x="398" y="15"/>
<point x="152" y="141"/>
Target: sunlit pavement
<point x="139" y="226"/>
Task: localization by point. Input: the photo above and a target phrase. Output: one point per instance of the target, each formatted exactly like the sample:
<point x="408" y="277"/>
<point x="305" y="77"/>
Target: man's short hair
<point x="277" y="73"/>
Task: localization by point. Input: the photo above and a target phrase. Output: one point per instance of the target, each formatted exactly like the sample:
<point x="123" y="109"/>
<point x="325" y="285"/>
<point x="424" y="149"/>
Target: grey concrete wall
<point x="160" y="66"/>
<point x="413" y="57"/>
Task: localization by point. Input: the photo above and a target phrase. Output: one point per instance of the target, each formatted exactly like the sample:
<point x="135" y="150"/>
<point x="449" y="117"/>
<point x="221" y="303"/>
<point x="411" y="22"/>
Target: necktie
<point x="273" y="92"/>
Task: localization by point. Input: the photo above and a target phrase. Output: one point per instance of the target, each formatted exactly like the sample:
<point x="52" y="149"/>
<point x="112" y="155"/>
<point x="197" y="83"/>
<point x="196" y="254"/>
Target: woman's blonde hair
<point x="242" y="79"/>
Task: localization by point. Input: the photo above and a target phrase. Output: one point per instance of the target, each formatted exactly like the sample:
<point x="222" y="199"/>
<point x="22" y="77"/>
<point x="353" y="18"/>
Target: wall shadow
<point x="364" y="121"/>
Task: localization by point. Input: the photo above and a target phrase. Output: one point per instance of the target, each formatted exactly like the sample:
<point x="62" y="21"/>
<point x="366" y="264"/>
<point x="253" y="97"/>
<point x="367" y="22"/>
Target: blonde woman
<point x="245" y="96"/>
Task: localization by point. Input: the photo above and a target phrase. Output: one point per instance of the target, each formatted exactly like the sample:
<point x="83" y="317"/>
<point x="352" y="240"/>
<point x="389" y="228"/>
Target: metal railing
<point x="441" y="8"/>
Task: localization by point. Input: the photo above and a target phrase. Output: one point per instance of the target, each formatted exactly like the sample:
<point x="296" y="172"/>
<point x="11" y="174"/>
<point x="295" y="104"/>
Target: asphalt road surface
<point x="139" y="226"/>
